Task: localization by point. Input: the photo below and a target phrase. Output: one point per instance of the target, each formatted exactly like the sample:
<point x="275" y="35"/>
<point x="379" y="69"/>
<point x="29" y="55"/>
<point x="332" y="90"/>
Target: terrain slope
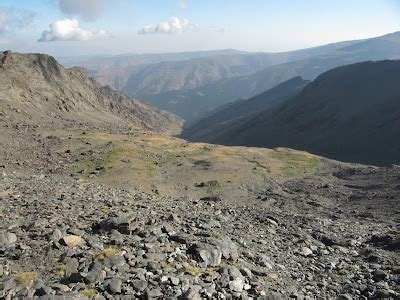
<point x="35" y="88"/>
<point x="94" y="205"/>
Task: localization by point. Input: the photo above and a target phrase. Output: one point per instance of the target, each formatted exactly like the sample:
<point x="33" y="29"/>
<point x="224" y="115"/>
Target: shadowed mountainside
<point x="239" y="111"/>
<point x="351" y="113"/>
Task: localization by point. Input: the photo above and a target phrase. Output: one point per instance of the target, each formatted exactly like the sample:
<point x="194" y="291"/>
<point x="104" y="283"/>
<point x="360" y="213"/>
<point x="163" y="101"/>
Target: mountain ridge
<point x="40" y="87"/>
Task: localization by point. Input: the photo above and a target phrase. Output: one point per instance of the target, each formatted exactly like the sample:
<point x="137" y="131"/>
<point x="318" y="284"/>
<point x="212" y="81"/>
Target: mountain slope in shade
<point x="351" y="113"/>
<point x="35" y="87"/>
<point x="194" y="104"/>
<point x="242" y="110"/>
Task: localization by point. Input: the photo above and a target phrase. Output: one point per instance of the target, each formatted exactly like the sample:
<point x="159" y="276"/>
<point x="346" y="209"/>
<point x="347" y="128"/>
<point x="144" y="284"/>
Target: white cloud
<point x="12" y="19"/>
<point x="87" y="9"/>
<point x="172" y="26"/>
<point x="70" y="30"/>
<point x="182" y="4"/>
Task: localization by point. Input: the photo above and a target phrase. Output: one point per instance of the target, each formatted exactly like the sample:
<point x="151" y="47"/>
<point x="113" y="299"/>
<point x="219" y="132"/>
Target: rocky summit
<point x="98" y="201"/>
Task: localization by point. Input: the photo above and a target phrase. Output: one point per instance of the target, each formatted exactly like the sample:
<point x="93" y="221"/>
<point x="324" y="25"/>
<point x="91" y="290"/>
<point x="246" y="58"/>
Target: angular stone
<point x="306" y="251"/>
<point x="114" y="286"/>
<point x="379" y="275"/>
<point x="96" y="274"/>
<point x="228" y="248"/>
<point x="236" y="285"/>
<point x="207" y="253"/>
<point x="56" y="235"/>
<point x="139" y="285"/>
<point x="120" y="224"/>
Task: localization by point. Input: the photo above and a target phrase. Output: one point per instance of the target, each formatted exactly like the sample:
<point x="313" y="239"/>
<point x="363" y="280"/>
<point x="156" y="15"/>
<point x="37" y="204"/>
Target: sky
<point x="88" y="27"/>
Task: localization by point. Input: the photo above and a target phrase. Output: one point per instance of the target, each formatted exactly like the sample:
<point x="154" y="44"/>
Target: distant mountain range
<point x="145" y="75"/>
<point x="195" y="103"/>
<point x="351" y="113"/>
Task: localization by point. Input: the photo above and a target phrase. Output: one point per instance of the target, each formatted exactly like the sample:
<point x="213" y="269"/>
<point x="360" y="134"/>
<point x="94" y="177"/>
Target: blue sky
<point x="83" y="27"/>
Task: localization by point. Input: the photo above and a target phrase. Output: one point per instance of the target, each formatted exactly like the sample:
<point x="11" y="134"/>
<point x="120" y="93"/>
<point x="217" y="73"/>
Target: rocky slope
<point x="327" y="233"/>
<point x="351" y="113"/>
<point x="94" y="209"/>
<point x="36" y="88"/>
<point x="194" y="104"/>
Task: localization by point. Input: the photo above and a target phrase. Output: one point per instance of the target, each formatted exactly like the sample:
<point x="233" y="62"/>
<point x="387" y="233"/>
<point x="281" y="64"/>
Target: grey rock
<point x="114" y="261"/>
<point x="154" y="293"/>
<point x="139" y="285"/>
<point x="236" y="285"/>
<point x="96" y="274"/>
<point x="207" y="253"/>
<point x="182" y="238"/>
<point x="192" y="293"/>
<point x="228" y="248"/>
<point x="174" y="280"/>
<point x="305" y="251"/>
<point x="114" y="286"/>
<point x="56" y="235"/>
<point x="379" y="275"/>
<point x="121" y="224"/>
<point x="71" y="266"/>
<point x="7" y="239"/>
<point x="116" y="237"/>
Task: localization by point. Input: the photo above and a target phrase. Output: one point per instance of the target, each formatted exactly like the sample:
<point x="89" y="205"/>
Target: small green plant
<point x="210" y="190"/>
<point x="25" y="277"/>
<point x="106" y="253"/>
<point x="193" y="270"/>
<point x="60" y="270"/>
<point x="89" y="293"/>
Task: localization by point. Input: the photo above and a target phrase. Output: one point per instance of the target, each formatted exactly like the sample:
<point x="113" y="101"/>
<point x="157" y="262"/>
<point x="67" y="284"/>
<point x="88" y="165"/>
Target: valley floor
<point x="103" y="213"/>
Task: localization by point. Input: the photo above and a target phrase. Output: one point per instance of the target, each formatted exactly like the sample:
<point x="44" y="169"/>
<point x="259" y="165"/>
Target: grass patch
<point x="60" y="270"/>
<point x="106" y="253"/>
<point x="25" y="277"/>
<point x="294" y="163"/>
<point x="89" y="293"/>
<point x="194" y="271"/>
<point x="88" y="166"/>
<point x="211" y="190"/>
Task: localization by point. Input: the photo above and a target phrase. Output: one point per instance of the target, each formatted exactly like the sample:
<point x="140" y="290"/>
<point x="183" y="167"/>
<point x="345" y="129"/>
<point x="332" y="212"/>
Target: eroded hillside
<point x="36" y="89"/>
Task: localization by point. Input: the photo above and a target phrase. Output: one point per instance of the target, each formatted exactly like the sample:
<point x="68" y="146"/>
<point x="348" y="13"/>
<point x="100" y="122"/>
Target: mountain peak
<point x="43" y="89"/>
